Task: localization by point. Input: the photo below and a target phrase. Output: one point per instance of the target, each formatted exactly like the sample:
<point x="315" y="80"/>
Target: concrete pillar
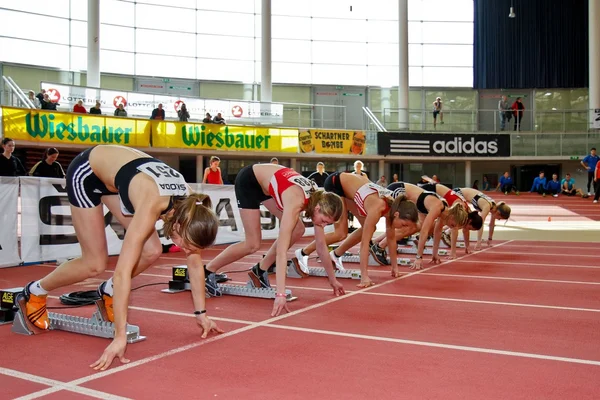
<point x="381" y="172"/>
<point x="594" y="57"/>
<point x="199" y="168"/>
<point x="403" y="64"/>
<point x="266" y="85"/>
<point x="468" y="181"/>
<point x="93" y="44"/>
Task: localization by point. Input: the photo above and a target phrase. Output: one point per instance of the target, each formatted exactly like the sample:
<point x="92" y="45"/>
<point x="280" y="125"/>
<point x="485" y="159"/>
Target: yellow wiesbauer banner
<point x="184" y="135"/>
<point x="57" y="127"/>
<point x="331" y="141"/>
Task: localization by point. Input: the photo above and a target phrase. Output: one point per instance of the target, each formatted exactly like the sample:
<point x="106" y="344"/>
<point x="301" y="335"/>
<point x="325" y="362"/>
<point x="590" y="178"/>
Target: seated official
<point x="539" y="184"/>
<point x="553" y="186"/>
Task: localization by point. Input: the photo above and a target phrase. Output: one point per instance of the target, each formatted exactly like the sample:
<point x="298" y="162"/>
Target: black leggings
<point x="597" y="190"/>
<point x="590" y="183"/>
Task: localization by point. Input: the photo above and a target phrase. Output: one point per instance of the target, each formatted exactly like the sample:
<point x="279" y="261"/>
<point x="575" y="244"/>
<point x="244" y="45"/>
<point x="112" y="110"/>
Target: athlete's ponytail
<point x="331" y="204"/>
<point x="193" y="220"/>
<point x="405" y="208"/>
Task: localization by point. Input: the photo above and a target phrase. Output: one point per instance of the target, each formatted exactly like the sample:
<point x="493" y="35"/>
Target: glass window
<point x="191" y="4"/>
<point x="382" y="9"/>
<point x="162" y="42"/>
<point x="79" y="10"/>
<point x="415" y="55"/>
<point x="382" y="54"/>
<point x="340" y="74"/>
<point x="79" y="34"/>
<point x="117" y="62"/>
<point x="28" y="52"/>
<point x="382" y="31"/>
<point x="228" y="47"/>
<point x="161" y="65"/>
<point x="337" y="9"/>
<point x="290" y="27"/>
<point x="415" y="32"/>
<point x="286" y="7"/>
<point x="291" y="50"/>
<point x="415" y="76"/>
<point x="444" y="10"/>
<point x="223" y="23"/>
<point x="79" y="59"/>
<point x="58" y="8"/>
<point x="240" y="6"/>
<point x="225" y="70"/>
<point x="415" y="10"/>
<point x="167" y="18"/>
<point x="34" y="27"/>
<point x="339" y="53"/>
<point x="292" y="73"/>
<point x="339" y="29"/>
<point x="117" y="12"/>
<point x="454" y="99"/>
<point x="447" y="76"/>
<point x="382" y="76"/>
<point x="114" y="37"/>
<point x="452" y="55"/>
<point x="448" y="32"/>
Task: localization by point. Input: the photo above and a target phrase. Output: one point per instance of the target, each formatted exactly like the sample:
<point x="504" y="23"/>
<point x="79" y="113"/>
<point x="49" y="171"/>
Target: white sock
<point x="37" y="289"/>
<point x="108" y="288"/>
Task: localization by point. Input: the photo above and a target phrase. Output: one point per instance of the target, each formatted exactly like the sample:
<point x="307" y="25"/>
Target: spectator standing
<point x="48" y="167"/>
<point x="502" y="111"/>
<point x="212" y="174"/>
<point x="395" y="178"/>
<point x="207" y="119"/>
<point x="158" y="113"/>
<point x="79" y="108"/>
<point x="219" y="119"/>
<point x="590" y="162"/>
<point x="96" y="109"/>
<point x="36" y="101"/>
<point x="120" y="111"/>
<point x="506" y="184"/>
<point x="319" y="175"/>
<point x="48" y="104"/>
<point x="382" y="181"/>
<point x="518" y="108"/>
<point x="358" y="168"/>
<point x="553" y="186"/>
<point x="183" y="113"/>
<point x="539" y="184"/>
<point x="9" y="164"/>
<point x="437" y="110"/>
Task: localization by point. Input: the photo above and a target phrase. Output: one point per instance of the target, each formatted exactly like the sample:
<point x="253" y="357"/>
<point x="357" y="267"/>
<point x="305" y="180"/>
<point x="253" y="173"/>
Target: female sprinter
<point x="212" y="174"/>
<point x="285" y="193"/>
<point x="434" y="213"/>
<point x="485" y="205"/>
<point x="358" y="192"/>
<point x="147" y="190"/>
<point x="474" y="221"/>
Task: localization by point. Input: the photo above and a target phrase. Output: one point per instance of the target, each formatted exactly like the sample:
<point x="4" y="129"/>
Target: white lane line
<point x="168" y="353"/>
<point x="513" y="279"/>
<point x="543" y="254"/>
<point x="528" y="264"/>
<point x="441" y="345"/>
<point x="500" y="303"/>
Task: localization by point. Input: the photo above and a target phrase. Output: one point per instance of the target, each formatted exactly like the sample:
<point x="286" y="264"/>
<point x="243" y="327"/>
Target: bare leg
<point x="89" y="227"/>
<point x="251" y="244"/>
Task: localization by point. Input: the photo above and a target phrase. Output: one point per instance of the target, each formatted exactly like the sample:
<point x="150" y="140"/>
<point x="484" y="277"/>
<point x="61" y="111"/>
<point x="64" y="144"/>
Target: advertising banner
<point x="141" y="104"/>
<point x="222" y="137"/>
<point x="56" y="127"/>
<point x="9" y="245"/>
<point x="443" y="145"/>
<point x="331" y="141"/>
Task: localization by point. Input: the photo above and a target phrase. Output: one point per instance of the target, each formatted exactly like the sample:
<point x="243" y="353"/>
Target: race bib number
<point x="381" y="191"/>
<point x="168" y="181"/>
<point x="307" y="185"/>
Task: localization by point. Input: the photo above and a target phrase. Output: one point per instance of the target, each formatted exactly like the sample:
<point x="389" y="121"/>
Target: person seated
<point x="568" y="187"/>
<point x="79" y="108"/>
<point x="486" y="184"/>
<point x="506" y="184"/>
<point x="553" y="186"/>
<point x="539" y="184"/>
<point x="219" y="119"/>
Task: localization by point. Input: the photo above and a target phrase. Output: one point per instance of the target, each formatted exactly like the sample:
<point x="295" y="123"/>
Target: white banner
<point x="596" y="123"/>
<point x="141" y="104"/>
<point x="9" y="245"/>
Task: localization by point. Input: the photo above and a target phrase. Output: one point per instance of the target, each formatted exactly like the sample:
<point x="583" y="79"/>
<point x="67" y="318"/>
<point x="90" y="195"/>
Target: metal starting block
<point x="372" y="262"/>
<point x="98" y="325"/>
<point x="181" y="283"/>
<point x="427" y="251"/>
<point x="459" y="245"/>
<point x="320" y="271"/>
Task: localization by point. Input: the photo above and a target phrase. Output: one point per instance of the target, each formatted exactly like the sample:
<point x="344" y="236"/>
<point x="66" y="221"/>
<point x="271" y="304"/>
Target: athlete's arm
<point x="323" y="252"/>
<point x="196" y="275"/>
<point x="205" y="175"/>
<point x="220" y="176"/>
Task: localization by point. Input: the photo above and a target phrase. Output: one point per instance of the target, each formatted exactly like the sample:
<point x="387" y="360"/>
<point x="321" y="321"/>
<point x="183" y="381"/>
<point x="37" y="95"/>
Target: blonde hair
<point x="504" y="210"/>
<point x="193" y="220"/>
<point x="405" y="208"/>
<point x="459" y="214"/>
<point x="331" y="204"/>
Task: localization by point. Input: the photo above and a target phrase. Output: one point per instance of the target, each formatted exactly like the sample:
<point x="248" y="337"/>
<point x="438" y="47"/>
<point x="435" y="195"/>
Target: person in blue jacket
<point x="506" y="184"/>
<point x="539" y="184"/>
<point x="553" y="186"/>
<point x="589" y="162"/>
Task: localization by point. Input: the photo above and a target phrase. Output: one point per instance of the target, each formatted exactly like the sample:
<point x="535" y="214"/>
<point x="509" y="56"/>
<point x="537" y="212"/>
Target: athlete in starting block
<point x="147" y="189"/>
<point x="286" y="194"/>
<point x="368" y="202"/>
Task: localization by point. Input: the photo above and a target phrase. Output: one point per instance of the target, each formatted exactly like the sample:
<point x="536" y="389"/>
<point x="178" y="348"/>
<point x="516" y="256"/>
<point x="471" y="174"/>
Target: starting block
<point x="427" y="251"/>
<point x="181" y="283"/>
<point x="320" y="271"/>
<point x="459" y="245"/>
<point x="372" y="262"/>
<point x="8" y="307"/>
<point x="98" y="325"/>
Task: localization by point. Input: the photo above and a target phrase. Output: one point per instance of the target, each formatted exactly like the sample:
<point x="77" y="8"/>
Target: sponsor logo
<point x="118" y="100"/>
<point x="43" y="126"/>
<point x="237" y="111"/>
<point x="193" y="135"/>
<point x="453" y="146"/>
<point x="8" y="298"/>
<point x="53" y="95"/>
<point x="173" y="186"/>
<point x="177" y="105"/>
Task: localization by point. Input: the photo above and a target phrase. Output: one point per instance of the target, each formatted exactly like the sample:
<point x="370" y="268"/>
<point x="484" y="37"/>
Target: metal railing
<point x="488" y="120"/>
<point x="14" y="95"/>
<point x="371" y="121"/>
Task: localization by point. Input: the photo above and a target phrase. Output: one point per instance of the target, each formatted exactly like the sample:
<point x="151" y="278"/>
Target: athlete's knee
<point x="152" y="251"/>
<point x="252" y="246"/>
<point x="95" y="265"/>
<point x="339" y="236"/>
